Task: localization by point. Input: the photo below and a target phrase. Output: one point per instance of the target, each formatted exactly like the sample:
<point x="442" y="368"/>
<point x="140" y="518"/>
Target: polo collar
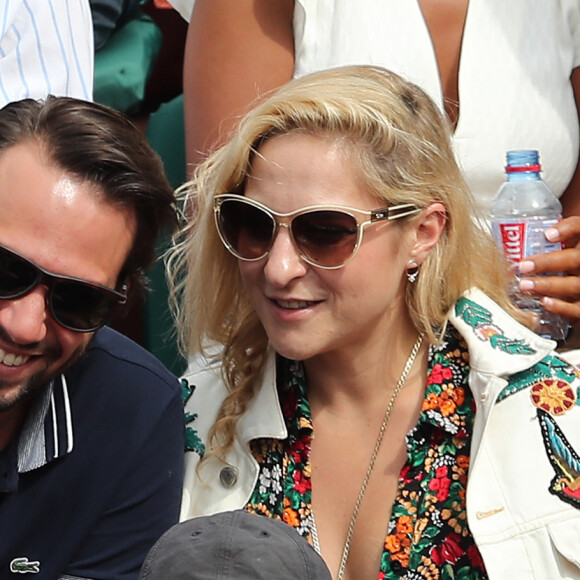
<point x="47" y="433"/>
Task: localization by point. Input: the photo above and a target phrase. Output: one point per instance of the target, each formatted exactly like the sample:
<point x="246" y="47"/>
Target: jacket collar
<point x="498" y="344"/>
<point x="255" y="423"/>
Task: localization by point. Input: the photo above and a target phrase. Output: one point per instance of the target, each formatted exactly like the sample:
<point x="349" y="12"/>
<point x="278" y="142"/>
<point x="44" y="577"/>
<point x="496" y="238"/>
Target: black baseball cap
<point x="234" y="545"/>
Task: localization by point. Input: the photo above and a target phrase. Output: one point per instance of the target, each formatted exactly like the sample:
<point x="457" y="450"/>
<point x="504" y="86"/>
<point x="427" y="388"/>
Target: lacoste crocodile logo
<point x="24" y="566"/>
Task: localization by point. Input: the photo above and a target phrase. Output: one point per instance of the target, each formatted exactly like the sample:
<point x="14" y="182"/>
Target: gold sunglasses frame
<point x="285" y="220"/>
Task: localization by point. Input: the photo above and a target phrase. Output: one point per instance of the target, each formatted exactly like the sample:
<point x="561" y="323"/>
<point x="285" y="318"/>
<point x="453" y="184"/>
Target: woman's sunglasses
<point x="76" y="304"/>
<point x="326" y="236"/>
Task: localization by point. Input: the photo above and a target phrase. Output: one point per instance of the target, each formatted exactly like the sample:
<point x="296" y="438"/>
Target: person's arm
<point x="562" y="293"/>
<point x="235" y="51"/>
<point x="571" y="197"/>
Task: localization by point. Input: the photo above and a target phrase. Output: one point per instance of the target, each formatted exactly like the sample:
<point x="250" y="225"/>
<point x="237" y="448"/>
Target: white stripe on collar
<point x="48" y="430"/>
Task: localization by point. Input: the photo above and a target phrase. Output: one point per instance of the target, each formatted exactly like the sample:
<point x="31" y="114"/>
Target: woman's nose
<point x="284" y="263"/>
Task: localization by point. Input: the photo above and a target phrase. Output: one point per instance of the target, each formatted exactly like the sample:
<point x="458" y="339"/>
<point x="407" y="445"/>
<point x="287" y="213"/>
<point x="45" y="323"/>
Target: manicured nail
<point x="547" y="301"/>
<point x="526" y="267"/>
<point x="552" y="234"/>
<point x="526" y="285"/>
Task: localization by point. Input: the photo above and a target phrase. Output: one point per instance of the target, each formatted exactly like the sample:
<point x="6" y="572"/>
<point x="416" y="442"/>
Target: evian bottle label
<point x="512" y="237"/>
<point x="521" y="238"/>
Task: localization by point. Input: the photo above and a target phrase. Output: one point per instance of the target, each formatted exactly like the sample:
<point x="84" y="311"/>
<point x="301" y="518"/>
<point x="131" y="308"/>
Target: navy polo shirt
<point x="95" y="475"/>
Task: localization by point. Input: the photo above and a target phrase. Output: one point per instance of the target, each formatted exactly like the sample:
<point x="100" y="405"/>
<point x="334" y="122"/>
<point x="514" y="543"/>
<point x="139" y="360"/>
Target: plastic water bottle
<point x="523" y="210"/>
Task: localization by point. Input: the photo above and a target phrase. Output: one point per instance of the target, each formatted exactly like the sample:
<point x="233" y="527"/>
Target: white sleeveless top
<point x="514" y="75"/>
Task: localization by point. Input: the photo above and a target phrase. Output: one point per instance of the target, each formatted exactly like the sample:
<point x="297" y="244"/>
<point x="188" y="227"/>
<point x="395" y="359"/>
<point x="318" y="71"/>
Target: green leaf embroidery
<point x="478" y="317"/>
<point x="192" y="440"/>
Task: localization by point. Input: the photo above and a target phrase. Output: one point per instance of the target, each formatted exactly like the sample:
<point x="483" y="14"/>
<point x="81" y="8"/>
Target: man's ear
<point x="429" y="228"/>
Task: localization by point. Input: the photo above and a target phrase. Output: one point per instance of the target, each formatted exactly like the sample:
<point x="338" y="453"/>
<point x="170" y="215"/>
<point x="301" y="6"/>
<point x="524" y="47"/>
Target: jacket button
<point x="229" y="476"/>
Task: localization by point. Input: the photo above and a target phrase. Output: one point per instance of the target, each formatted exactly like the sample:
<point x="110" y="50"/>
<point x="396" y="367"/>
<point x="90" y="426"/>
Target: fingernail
<point x="552" y="234"/>
<point x="546" y="301"/>
<point x="526" y="267"/>
<point x="526" y="285"/>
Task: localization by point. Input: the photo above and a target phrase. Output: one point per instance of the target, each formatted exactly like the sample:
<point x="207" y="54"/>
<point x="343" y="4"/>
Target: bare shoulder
<point x="235" y="52"/>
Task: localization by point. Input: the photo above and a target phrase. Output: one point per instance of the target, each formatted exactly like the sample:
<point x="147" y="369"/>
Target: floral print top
<point x="427" y="537"/>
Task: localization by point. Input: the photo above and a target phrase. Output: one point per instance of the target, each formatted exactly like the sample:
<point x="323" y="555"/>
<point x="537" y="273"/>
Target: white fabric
<point x="184" y="7"/>
<point x="46" y="47"/>
<point x="514" y="87"/>
<point x="521" y="528"/>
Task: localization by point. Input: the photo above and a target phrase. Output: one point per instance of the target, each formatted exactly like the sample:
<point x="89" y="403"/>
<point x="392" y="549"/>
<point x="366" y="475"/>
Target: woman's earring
<point x="412" y="270"/>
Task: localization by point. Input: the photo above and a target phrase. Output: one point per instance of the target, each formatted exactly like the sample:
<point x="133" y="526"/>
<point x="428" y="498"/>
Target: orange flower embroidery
<point x="463" y="462"/>
<point x="401" y="557"/>
<point x="290" y="516"/>
<point x="404" y="525"/>
<point x="447" y="406"/>
<point x="392" y="543"/>
<point x="458" y="395"/>
<point x="430" y="402"/>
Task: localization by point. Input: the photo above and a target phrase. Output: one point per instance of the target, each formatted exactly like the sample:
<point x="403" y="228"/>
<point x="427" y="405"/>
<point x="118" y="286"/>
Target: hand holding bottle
<point x="524" y="216"/>
<point x="559" y="294"/>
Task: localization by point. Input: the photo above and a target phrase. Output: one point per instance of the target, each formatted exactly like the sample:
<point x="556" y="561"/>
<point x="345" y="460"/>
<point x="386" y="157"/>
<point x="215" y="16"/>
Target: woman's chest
<point x="509" y="66"/>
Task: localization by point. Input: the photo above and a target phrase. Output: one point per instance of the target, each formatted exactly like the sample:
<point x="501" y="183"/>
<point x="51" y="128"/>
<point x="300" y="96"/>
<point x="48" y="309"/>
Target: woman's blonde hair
<point x="401" y="141"/>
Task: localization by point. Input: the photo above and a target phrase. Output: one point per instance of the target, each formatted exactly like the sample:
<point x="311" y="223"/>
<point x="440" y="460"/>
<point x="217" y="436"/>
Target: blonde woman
<point x="357" y="369"/>
<point x="520" y="91"/>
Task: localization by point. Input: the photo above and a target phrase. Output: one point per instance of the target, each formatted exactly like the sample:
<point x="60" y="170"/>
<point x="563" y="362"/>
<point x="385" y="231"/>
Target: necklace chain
<point x="374" y="455"/>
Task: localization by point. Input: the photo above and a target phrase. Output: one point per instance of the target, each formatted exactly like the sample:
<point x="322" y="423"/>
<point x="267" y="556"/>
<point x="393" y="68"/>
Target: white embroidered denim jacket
<point x="523" y="492"/>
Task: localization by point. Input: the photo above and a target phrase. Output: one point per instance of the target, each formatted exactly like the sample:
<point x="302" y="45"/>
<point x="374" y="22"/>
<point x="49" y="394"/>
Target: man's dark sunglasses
<point x="76" y="304"/>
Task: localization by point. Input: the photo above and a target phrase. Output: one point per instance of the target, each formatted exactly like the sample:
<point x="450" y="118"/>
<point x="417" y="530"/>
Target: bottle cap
<point x="523" y="160"/>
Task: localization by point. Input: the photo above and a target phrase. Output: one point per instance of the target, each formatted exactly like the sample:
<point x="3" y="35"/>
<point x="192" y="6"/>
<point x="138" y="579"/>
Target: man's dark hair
<point x="100" y="146"/>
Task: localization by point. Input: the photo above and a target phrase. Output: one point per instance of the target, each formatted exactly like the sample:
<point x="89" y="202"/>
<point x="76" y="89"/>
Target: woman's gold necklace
<point x="363" y="488"/>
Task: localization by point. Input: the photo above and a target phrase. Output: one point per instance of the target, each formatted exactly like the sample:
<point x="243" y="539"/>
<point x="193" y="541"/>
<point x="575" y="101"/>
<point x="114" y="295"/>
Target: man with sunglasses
<point x="91" y="425"/>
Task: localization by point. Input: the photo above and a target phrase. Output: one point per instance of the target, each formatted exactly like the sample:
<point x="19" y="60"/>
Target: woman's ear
<point x="428" y="228"/>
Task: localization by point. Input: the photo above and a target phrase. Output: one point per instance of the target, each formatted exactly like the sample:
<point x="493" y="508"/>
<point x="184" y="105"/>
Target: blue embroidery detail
<point x="564" y="460"/>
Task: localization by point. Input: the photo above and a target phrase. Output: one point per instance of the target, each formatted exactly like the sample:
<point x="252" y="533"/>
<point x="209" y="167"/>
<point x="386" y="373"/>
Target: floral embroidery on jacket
<point x="550" y="378"/>
<point x="428" y="536"/>
<point x="481" y="321"/>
